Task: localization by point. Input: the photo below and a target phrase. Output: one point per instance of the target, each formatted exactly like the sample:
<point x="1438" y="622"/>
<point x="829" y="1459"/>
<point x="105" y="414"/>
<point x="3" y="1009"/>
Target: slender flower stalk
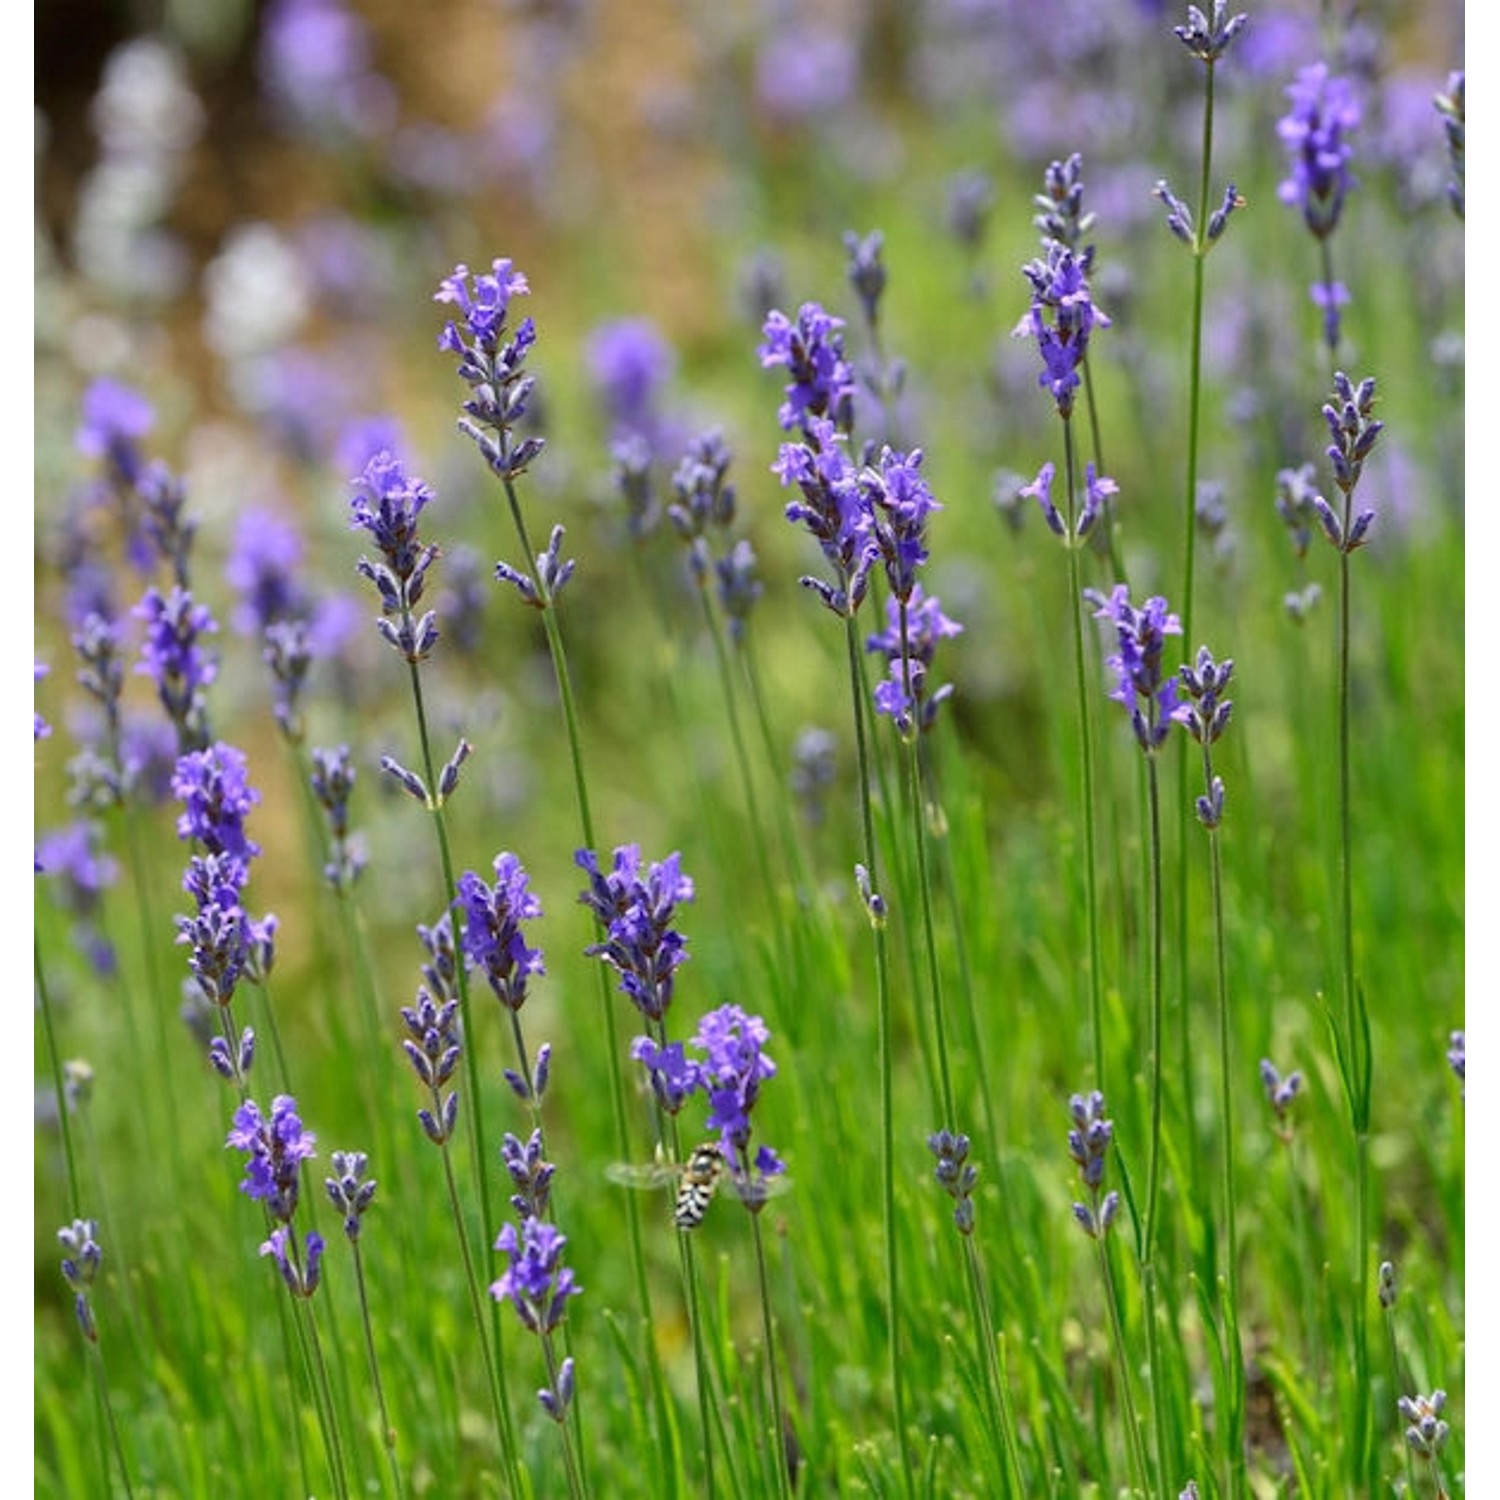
<point x="1205" y="714"/>
<point x="1150" y="696"/>
<point x="1088" y="1144"/>
<point x="958" y="1177"/>
<point x="352" y="1192"/>
<point x="82" y="1258"/>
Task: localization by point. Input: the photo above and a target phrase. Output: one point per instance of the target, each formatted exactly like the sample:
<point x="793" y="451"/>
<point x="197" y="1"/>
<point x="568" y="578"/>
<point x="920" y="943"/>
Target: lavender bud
<point x="874" y="902"/>
<point x="448" y="777"/>
<point x="413" y="783"/>
<point x="521" y="582"/>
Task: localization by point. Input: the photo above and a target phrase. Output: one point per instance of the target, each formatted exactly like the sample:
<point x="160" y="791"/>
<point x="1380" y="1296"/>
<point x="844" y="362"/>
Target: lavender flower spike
<point x="81" y="1260"/>
<point x="536" y="1283"/>
<point x="492" y="937"/>
<point x="1148" y="695"/>
<point x="1088" y="1144"/>
<point x="1314" y="133"/>
<point x="275" y="1150"/>
<point x="812" y="350"/>
<point x="1209" y="40"/>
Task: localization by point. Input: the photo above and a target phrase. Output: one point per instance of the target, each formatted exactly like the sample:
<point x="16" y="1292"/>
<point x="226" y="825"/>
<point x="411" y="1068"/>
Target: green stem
<point x="1153" y="1170"/>
<point x="1001" y="1429"/>
<point x="778" y="1416"/>
<point x="324" y="1399"/>
<point x="1086" y="740"/>
<point x="883" y="1021"/>
<point x="387" y="1431"/>
<point x="116" y="1443"/>
<point x="1234" y="1427"/>
<point x="54" y="1057"/>
<point x="1135" y="1443"/>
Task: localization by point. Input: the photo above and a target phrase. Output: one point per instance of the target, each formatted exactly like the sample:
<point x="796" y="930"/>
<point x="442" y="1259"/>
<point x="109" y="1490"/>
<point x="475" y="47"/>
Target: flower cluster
<point x="1324" y="112"/>
<point x="1208" y="40"/>
<point x="332" y="780"/>
<point x="433" y="1044"/>
<point x="1148" y="694"/>
<point x="1349" y="413"/>
<point x="492" y="362"/>
<point x="492" y="938"/>
<point x="1426" y="1432"/>
<point x="903" y="696"/>
<point x="81" y="1260"/>
<point x="387" y="504"/>
<point x="1061" y="219"/>
<point x="629" y="362"/>
<point x="636" y="913"/>
<point x="832" y="508"/>
<point x="866" y="271"/>
<point x="1205" y="715"/>
<point x="274" y="1150"/>
<point x="1088" y="1144"/>
<point x="821" y="382"/>
<point x="175" y="659"/>
<point x="956" y="1175"/>
<point x="350" y="1191"/>
<point x="733" y="1067"/>
<point x="1062" y="318"/>
<point x="1281" y="1094"/>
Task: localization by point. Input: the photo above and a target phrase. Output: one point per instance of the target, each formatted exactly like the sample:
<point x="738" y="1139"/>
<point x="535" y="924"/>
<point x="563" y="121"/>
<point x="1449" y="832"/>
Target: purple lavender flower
<point x="1209" y="40"/>
<point x="909" y="657"/>
<point x="630" y="362"/>
<point x="1061" y="219"/>
<point x="970" y="198"/>
<point x="433" y="1046"/>
<point x="1148" y="695"/>
<point x="703" y="498"/>
<point x="821" y="380"/>
<point x="216" y="794"/>
<point x="274" y="1151"/>
<point x="833" y="509"/>
<point x="301" y="1277"/>
<point x="1061" y="319"/>
<point x="1349" y="413"/>
<point x="492" y="938"/>
<point x="536" y="1283"/>
<point x="173" y="656"/>
<point x="81" y="1260"/>
<point x="956" y="1175"/>
<point x="350" y="1191"/>
<point x="739" y="588"/>
<point x="287" y="651"/>
<point x="387" y="504"/>
<point x="1088" y="1144"/>
<point x="673" y="1074"/>
<point x="316" y="63"/>
<point x="1281" y="1094"/>
<point x="1098" y="488"/>
<point x="899" y="503"/>
<point x="114" y="418"/>
<point x="261" y="569"/>
<point x="492" y="364"/>
<point x="636" y="913"/>
<point x="635" y="479"/>
<point x="1325" y="110"/>
<point x="1205" y="715"/>
<point x="332" y="781"/>
<point x="1426" y="1432"/>
<point x="72" y="854"/>
<point x="221" y="934"/>
<point x="530" y="1174"/>
<point x="731" y="1073"/>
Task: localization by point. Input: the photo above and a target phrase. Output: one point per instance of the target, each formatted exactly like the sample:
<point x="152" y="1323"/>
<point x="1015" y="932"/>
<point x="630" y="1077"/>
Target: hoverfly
<point x="696" y="1181"/>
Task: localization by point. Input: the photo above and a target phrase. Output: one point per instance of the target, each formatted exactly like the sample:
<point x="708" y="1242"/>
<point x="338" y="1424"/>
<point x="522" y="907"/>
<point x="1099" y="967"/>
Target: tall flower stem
<point x="111" y="1425"/>
<point x="1234" y="1426"/>
<point x="883" y="1022"/>
<point x="1002" y="1422"/>
<point x="54" y="1057"/>
<point x="1153" y="1168"/>
<point x="1136" y="1444"/>
<point x="499" y="1401"/>
<point x="387" y="1431"/>
<point x="1086" y="742"/>
<point x="564" y="680"/>
<point x="778" y="1417"/>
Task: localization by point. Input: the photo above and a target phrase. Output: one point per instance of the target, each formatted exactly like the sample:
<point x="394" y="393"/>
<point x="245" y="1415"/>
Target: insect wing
<point x="654" y="1174"/>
